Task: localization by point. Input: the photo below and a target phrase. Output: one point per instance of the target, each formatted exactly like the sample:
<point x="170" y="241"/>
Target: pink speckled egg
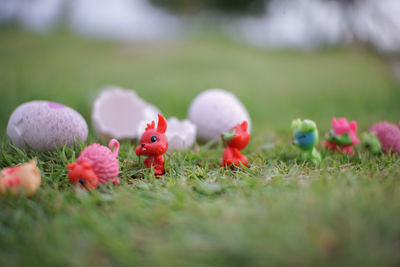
<point x="45" y="125"/>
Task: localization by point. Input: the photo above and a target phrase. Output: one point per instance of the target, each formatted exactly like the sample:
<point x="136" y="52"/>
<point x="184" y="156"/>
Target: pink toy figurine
<point x="388" y="135"/>
<point x="235" y="140"/>
<point x="96" y="164"/>
<point x="343" y="136"/>
<point x="153" y="144"/>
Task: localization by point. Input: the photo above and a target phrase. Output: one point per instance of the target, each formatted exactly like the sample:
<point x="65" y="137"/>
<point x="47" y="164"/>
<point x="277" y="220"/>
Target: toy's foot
<point x="116" y="181"/>
<point x="226" y="163"/>
<point x="241" y="161"/>
<point x="159" y="171"/>
<point x="244" y="162"/>
<point x="314" y="162"/>
<point x="345" y="151"/>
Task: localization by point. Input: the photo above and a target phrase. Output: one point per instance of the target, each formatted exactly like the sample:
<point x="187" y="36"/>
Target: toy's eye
<point x="153" y="138"/>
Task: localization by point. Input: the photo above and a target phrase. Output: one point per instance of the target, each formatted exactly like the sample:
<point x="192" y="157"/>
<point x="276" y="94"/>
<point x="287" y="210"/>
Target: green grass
<point x="277" y="212"/>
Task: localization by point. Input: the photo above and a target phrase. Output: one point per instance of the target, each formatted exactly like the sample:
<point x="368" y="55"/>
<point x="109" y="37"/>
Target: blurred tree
<point x="378" y="23"/>
<point x="231" y="7"/>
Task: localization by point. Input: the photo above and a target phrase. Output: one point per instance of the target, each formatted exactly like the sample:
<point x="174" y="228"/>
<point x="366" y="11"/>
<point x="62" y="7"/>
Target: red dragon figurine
<point x="96" y="164"/>
<point x="154" y="144"/>
<point x="235" y="140"/>
<point x="343" y="136"/>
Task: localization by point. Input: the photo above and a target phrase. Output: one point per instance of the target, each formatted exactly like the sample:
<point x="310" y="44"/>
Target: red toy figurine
<point x="235" y="140"/>
<point x="154" y="144"/>
<point x="343" y="136"/>
<point x="96" y="164"/>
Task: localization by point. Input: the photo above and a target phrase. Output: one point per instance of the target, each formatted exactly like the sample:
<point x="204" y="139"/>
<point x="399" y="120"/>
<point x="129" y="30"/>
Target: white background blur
<point x="298" y="24"/>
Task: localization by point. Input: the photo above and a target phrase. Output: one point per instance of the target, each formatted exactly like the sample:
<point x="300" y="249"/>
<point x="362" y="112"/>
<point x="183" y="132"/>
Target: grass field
<point x="277" y="212"/>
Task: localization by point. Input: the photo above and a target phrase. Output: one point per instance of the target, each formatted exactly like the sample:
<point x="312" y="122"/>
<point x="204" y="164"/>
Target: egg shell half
<point x="181" y="134"/>
<point x="117" y="113"/>
<point x="215" y="111"/>
<point x="45" y="126"/>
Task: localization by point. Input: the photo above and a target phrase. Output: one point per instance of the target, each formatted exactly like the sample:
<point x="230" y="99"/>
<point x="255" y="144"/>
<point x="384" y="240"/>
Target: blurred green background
<point x="275" y="86"/>
<point x="277" y="212"/>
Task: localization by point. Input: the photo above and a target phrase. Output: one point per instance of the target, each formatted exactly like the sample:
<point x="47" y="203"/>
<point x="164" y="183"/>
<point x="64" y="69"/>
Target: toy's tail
<point x="114" y="144"/>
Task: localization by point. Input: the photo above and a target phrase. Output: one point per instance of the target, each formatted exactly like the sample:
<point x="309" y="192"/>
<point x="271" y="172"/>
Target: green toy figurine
<point x="371" y="142"/>
<point x="306" y="138"/>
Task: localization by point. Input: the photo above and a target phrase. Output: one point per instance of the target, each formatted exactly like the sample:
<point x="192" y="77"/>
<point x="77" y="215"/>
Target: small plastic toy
<point x="370" y="142"/>
<point x="153" y="144"/>
<point x="306" y="138"/>
<point x="25" y="178"/>
<point x="235" y="140"/>
<point x="96" y="164"/>
<point x="387" y="135"/>
<point x="343" y="136"/>
<point x="181" y="134"/>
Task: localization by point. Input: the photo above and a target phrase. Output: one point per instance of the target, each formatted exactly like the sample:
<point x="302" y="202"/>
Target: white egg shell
<point x="117" y="113"/>
<point x="45" y="125"/>
<point x="215" y="111"/>
<point x="180" y="134"/>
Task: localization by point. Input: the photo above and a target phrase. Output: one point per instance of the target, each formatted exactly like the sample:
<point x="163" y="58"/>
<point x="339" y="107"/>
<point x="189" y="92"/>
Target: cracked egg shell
<point x="181" y="134"/>
<point x="117" y="113"/>
<point x="45" y="125"/>
<point x="215" y="111"/>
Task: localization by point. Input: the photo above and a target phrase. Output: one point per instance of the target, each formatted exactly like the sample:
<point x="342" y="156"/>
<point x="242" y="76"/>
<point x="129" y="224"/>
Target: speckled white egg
<point x="215" y="111"/>
<point x="45" y="125"/>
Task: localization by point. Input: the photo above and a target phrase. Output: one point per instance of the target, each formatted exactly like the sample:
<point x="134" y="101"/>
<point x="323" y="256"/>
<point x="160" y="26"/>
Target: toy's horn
<point x="86" y="165"/>
<point x="162" y="124"/>
<point x="244" y="125"/>
<point x="353" y="125"/>
<point x="150" y="126"/>
<point x="334" y="122"/>
<point x="71" y="166"/>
